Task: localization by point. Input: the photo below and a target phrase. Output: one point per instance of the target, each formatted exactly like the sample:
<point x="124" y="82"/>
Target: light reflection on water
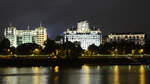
<point x="85" y="74"/>
<point x="86" y="77"/>
<point x="36" y="78"/>
<point x="142" y="75"/>
<point x="116" y="75"/>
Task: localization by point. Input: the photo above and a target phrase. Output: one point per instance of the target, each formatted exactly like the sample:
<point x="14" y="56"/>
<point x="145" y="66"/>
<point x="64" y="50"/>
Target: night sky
<point x="57" y="15"/>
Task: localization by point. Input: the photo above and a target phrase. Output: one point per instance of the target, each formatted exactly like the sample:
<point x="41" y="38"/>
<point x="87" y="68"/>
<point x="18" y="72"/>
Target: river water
<point x="115" y="74"/>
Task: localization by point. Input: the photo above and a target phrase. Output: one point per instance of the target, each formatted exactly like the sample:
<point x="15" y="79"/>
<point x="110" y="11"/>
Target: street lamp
<point x="36" y="51"/>
<point x="141" y="51"/>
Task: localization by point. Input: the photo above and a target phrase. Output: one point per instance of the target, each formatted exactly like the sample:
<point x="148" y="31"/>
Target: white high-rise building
<point x="17" y="37"/>
<point x="84" y="35"/>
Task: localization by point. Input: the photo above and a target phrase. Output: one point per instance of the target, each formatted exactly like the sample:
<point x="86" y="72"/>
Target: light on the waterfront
<point x="36" y="51"/>
<point x="141" y="51"/>
<point x="56" y="69"/>
<point x="8" y="50"/>
<point x="133" y="51"/>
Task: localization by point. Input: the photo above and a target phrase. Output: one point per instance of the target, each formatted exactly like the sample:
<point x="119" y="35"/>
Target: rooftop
<point x="126" y="33"/>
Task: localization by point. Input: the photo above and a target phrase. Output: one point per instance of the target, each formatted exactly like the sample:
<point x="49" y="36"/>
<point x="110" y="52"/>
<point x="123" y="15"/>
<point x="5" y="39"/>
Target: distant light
<point x="56" y="69"/>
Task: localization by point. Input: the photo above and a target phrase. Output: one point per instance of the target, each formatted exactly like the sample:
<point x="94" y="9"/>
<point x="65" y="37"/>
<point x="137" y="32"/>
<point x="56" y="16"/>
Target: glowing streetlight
<point x="133" y="51"/>
<point x="141" y="51"/>
<point x="36" y="51"/>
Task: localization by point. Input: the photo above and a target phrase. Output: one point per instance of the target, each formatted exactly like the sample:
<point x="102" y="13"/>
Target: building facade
<point x="84" y="35"/>
<point x="137" y="38"/>
<point x="17" y="37"/>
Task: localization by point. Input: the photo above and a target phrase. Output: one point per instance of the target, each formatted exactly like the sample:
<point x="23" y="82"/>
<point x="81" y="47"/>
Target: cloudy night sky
<point x="57" y="15"/>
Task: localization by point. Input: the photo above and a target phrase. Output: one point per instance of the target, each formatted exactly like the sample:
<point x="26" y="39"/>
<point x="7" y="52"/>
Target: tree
<point x="12" y="50"/>
<point x="106" y="48"/>
<point x="147" y="47"/>
<point x="28" y="49"/>
<point x="4" y="46"/>
<point x="93" y="49"/>
<point x="73" y="50"/>
<point x="50" y="47"/>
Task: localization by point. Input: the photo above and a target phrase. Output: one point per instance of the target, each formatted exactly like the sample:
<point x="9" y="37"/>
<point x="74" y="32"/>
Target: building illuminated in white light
<point x="137" y="38"/>
<point x="17" y="37"/>
<point x="84" y="35"/>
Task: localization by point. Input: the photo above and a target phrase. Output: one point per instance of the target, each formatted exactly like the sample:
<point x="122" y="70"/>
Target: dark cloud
<point x="57" y="15"/>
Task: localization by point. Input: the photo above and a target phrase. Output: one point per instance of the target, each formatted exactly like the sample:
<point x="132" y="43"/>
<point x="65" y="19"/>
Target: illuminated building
<point x="84" y="35"/>
<point x="137" y="38"/>
<point x="17" y="37"/>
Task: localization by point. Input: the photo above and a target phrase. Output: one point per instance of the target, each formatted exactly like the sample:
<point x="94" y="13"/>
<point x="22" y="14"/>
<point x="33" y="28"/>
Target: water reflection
<point x="9" y="78"/>
<point x="98" y="68"/>
<point x="76" y="75"/>
<point x="36" y="78"/>
<point x="23" y="75"/>
<point x="116" y="75"/>
<point x="56" y="76"/>
<point x="129" y="68"/>
<point x="142" y="75"/>
<point x="147" y="67"/>
<point x="86" y="71"/>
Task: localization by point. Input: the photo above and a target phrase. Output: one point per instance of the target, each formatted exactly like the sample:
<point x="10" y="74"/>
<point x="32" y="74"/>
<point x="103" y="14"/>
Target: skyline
<point x="32" y="27"/>
<point x="57" y="16"/>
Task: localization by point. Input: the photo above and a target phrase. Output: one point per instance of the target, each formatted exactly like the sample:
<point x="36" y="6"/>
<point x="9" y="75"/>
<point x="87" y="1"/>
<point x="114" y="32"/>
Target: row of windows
<point x="127" y="38"/>
<point x="83" y="36"/>
<point x="83" y="39"/>
<point x="131" y="37"/>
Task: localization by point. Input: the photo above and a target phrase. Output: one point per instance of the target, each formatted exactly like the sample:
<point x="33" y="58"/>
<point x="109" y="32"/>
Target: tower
<point x="41" y="35"/>
<point x="10" y="33"/>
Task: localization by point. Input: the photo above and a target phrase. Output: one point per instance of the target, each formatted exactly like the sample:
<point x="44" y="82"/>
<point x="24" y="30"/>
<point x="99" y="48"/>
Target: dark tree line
<point x="73" y="50"/>
<point x="123" y="47"/>
<point x="65" y="50"/>
<point x="28" y="49"/>
<point x="4" y="46"/>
